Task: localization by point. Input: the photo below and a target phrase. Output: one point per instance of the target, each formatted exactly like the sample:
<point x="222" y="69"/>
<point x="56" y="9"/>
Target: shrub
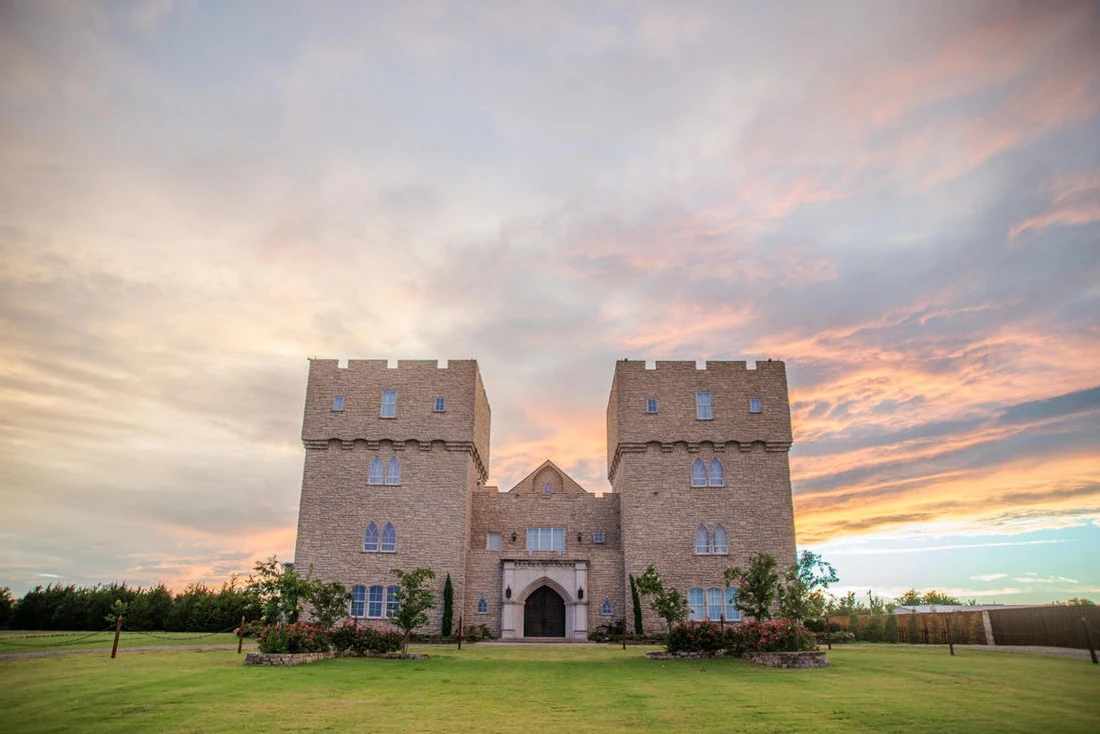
<point x="607" y="632"/>
<point x="364" y="640"/>
<point x="298" y="637"/>
<point x="254" y="628"/>
<point x="774" y="635"/>
<point x="700" y="637"/>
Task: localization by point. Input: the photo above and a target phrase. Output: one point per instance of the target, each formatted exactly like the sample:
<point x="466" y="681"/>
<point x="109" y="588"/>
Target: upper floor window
<point x="606" y="607"/>
<point x="545" y="539"/>
<point x="440" y="405"/>
<point x="702" y="541"/>
<point x="548" y="489"/>
<point x="597" y="537"/>
<point x="389" y="539"/>
<point x="338" y="402"/>
<point x="702" y="406"/>
<point x="651" y="405"/>
<point x="698" y="473"/>
<point x="389" y="403"/>
<point x="482" y="606"/>
<point x="393" y="471"/>
<point x="375" y="474"/>
<point x="696" y="607"/>
<point x="492" y="541"/>
<point x="721" y="544"/>
<point x="358" y="600"/>
<point x="716" y="476"/>
<point x="754" y="405"/>
<point x="370" y="539"/>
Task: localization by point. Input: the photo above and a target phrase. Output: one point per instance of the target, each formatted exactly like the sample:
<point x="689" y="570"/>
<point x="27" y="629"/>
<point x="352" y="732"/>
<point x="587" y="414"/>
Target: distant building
<point x="395" y="477"/>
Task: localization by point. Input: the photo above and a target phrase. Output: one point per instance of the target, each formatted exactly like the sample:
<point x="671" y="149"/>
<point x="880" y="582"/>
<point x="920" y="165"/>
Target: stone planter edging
<point x="807" y="659"/>
<point x="286" y="659"/>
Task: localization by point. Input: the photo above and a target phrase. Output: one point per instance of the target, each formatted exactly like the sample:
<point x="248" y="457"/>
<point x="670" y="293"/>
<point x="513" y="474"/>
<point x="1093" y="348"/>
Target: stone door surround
<point x="521" y="578"/>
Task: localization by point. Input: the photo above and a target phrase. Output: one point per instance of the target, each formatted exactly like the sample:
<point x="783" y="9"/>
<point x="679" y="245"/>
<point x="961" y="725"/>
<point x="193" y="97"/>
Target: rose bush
<point x="298" y="637"/>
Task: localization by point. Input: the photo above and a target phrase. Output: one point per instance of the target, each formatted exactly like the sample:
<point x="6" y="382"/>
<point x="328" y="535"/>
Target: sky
<point x="900" y="200"/>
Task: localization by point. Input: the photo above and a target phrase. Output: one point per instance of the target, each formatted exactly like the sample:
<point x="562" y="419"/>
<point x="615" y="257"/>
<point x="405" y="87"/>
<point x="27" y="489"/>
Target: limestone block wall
<point x="514" y="512"/>
<point x="429" y="511"/>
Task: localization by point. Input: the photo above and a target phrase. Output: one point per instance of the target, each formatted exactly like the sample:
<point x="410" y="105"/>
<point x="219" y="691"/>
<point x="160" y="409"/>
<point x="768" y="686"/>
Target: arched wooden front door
<point x="544" y="614"/>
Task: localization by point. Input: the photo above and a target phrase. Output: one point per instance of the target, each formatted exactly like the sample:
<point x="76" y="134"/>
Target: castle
<point x="396" y="465"/>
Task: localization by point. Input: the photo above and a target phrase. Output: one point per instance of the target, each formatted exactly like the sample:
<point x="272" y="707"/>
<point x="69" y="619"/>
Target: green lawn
<point x="16" y="642"/>
<point x="553" y="688"/>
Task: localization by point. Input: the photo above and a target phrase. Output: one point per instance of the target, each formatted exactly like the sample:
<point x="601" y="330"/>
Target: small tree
<point x="414" y="600"/>
<point x="328" y="601"/>
<point x="756" y="586"/>
<point x="7" y="606"/>
<point x="448" y="607"/>
<point x="280" y="589"/>
<point x="637" y="606"/>
<point x="912" y="630"/>
<point x="669" y="604"/>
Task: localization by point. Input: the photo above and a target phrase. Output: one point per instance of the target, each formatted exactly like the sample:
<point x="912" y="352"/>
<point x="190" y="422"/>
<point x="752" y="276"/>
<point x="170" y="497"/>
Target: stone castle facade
<point x="396" y="472"/>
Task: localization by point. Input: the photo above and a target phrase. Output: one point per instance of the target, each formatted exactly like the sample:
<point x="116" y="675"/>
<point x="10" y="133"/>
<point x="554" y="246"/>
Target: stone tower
<point x="698" y="457"/>
<point x="393" y="457"/>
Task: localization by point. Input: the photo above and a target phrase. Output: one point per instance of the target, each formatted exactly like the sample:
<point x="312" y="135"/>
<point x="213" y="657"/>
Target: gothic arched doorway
<point x="544" y="614"/>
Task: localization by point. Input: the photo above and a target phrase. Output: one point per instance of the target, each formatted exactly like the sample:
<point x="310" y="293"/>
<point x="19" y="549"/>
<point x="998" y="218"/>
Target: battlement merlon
<point x="674" y="384"/>
<point x="465" y="417"/>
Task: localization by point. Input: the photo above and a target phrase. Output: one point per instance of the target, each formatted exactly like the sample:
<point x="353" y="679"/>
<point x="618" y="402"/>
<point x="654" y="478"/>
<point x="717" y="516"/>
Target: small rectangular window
<point x="597" y="537"/>
<point x="440" y="405"/>
<point x="492" y="541"/>
<point x="651" y="405"/>
<point x="754" y="405"/>
<point x="389" y="403"/>
<point x="702" y="406"/>
<point x="338" y="402"/>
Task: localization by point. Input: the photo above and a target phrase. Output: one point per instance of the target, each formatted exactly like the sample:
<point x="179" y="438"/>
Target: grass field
<point x="16" y="642"/>
<point x="552" y="688"/>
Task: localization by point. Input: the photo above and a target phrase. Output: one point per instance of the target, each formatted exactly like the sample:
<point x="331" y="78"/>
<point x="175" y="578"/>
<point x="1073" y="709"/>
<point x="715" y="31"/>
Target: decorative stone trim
<point x="806" y="659"/>
<point x="286" y="659"/>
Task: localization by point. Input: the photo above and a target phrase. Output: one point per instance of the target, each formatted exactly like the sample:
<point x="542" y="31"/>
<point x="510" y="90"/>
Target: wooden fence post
<point x="828" y="637"/>
<point x="1088" y="638"/>
<point x="118" y="631"/>
<point x="240" y="636"/>
<point x="947" y="633"/>
<point x="624" y="633"/>
<point x="460" y="632"/>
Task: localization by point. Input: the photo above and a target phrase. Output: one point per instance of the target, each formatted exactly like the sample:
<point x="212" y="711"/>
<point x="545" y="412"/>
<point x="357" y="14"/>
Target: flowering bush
<point x="295" y="638"/>
<point x="775" y="635"/>
<point x="700" y="637"/>
<point x="362" y="640"/>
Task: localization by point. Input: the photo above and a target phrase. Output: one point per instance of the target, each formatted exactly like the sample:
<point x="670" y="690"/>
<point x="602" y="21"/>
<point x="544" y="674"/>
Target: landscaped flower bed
<point x="776" y="643"/>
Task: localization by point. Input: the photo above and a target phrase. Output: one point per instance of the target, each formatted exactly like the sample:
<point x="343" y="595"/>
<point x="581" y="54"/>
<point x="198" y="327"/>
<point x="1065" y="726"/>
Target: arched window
<point x="358" y="600"/>
<point x="695" y="604"/>
<point x="370" y="539"/>
<point x="389" y="539"/>
<point x="375" y="476"/>
<point x="393" y="471"/>
<point x="391" y="600"/>
<point x="721" y="543"/>
<point x="733" y="614"/>
<point x="606" y="608"/>
<point x="482" y="606"/>
<point x="698" y="474"/>
<point x="714" y="604"/>
<point x="702" y="541"/>
<point x="717" y="475"/>
<point x="374" y="602"/>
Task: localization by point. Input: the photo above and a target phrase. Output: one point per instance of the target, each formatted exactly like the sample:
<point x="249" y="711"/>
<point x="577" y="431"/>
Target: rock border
<point x="786" y="660"/>
<point x="289" y="659"/>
